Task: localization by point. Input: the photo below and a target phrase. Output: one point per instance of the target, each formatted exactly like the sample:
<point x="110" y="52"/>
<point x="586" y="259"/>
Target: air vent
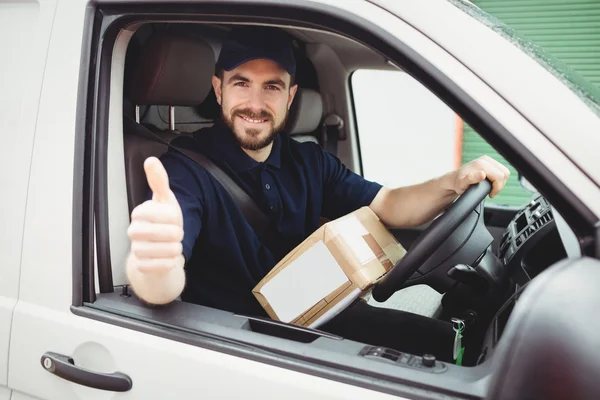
<point x="543" y="220"/>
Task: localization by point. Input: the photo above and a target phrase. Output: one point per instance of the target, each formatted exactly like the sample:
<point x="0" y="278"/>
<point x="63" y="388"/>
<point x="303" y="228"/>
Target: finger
<point x="504" y="171"/>
<point x="158" y="180"/>
<point x="153" y="211"/>
<point x="506" y="174"/>
<point x="153" y="232"/>
<point x="143" y="250"/>
<point x="475" y="177"/>
<point x="498" y="179"/>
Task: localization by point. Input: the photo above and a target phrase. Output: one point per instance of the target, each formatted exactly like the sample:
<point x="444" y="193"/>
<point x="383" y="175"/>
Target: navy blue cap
<point x="253" y="42"/>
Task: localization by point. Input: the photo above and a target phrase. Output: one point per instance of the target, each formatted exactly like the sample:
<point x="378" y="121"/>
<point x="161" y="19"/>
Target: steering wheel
<point x="430" y="240"/>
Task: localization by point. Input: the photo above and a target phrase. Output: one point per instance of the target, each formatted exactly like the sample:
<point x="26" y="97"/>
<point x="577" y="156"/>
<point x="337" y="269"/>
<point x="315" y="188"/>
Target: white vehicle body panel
<point x="5" y="393"/>
<point x="23" y="64"/>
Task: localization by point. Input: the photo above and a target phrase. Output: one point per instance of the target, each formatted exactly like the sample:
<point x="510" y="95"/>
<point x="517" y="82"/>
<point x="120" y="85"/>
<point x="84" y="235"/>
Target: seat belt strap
<point x="332" y="132"/>
<point x="258" y="220"/>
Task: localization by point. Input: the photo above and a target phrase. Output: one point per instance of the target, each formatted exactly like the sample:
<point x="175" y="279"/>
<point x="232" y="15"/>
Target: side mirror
<point x="526" y="184"/>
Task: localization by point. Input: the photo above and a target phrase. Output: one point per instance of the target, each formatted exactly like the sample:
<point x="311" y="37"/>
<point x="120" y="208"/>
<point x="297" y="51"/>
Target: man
<point x="192" y="222"/>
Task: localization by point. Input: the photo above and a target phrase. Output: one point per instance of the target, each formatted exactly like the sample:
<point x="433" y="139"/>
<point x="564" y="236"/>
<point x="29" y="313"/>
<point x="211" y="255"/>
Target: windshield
<point x="587" y="91"/>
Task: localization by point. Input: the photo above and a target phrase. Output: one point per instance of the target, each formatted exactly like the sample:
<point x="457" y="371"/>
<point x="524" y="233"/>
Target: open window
<point x="401" y="124"/>
<point x="336" y="46"/>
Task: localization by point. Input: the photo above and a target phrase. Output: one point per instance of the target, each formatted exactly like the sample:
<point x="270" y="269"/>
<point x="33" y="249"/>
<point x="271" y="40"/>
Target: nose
<point x="256" y="100"/>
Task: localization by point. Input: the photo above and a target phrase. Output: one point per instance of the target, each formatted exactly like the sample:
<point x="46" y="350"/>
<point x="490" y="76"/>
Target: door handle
<point x="65" y="367"/>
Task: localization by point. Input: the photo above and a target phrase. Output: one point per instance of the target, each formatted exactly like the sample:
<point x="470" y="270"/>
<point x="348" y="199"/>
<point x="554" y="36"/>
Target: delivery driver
<point x="191" y="240"/>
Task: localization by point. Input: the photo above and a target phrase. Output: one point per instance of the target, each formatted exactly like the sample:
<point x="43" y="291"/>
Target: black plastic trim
<point x="295" y="332"/>
<point x="83" y="174"/>
<point x="105" y="49"/>
<point x="597" y="239"/>
<point x="355" y="120"/>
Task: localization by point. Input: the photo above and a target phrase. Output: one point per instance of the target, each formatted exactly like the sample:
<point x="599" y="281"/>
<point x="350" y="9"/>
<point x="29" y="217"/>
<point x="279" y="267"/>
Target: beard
<point x="254" y="139"/>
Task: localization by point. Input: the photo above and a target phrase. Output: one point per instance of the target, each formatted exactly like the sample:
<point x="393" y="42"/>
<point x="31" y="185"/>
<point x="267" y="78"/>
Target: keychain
<point x="457" y="352"/>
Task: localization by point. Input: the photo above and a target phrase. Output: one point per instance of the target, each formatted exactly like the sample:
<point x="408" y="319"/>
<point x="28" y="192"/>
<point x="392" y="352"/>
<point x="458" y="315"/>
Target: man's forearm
<point x="413" y="205"/>
<point x="157" y="288"/>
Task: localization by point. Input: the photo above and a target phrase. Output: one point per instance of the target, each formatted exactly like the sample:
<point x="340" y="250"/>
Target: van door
<point x="55" y="354"/>
<point x="24" y="33"/>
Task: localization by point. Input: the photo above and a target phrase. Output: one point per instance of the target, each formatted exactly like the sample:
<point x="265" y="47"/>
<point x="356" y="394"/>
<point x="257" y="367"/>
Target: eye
<point x="240" y="84"/>
<point x="272" y="87"/>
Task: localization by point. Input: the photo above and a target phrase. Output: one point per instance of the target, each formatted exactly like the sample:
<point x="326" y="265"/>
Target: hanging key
<point x="458" y="325"/>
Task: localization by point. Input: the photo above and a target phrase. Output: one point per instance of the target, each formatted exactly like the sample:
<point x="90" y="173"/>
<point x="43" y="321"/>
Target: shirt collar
<point x="224" y="144"/>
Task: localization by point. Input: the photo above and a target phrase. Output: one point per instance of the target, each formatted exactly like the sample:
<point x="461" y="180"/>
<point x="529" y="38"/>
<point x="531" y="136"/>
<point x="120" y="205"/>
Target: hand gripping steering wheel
<point x="430" y="240"/>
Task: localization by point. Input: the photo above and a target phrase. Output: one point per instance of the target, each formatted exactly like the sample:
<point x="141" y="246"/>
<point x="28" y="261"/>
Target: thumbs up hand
<point x="155" y="262"/>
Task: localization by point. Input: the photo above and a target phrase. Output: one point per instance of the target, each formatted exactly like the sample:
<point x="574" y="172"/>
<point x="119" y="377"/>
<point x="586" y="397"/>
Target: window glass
<point x="407" y="135"/>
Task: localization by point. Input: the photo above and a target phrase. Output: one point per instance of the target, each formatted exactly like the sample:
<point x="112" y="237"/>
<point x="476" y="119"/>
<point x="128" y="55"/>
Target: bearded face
<point x="254" y="130"/>
<point x="255" y="99"/>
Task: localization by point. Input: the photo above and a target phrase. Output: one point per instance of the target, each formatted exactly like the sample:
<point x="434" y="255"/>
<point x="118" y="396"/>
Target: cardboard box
<point x="324" y="274"/>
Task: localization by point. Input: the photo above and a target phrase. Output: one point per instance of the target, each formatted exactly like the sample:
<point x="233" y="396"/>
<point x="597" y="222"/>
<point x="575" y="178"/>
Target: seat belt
<point x="258" y="220"/>
<point x="332" y="132"/>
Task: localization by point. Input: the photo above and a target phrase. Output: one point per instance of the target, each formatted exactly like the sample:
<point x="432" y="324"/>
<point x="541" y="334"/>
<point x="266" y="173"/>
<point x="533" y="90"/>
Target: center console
<point x="531" y="241"/>
<point x="530" y="244"/>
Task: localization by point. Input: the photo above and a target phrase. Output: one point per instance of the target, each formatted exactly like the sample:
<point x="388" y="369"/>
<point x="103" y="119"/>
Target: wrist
<point x="447" y="183"/>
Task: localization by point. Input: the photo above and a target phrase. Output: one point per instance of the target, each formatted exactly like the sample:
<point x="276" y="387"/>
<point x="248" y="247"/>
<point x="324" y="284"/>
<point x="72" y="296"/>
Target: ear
<point x="293" y="90"/>
<point x="216" y="83"/>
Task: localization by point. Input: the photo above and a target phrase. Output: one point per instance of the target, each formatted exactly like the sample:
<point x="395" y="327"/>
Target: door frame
<point x="92" y="205"/>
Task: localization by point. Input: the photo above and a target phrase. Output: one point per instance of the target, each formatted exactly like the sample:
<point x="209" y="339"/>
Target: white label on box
<point x="304" y="282"/>
<point x="352" y="232"/>
<point x="336" y="309"/>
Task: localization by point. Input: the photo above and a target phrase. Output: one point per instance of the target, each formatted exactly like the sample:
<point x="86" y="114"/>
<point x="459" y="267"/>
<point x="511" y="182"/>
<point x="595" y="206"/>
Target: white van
<point x="70" y="328"/>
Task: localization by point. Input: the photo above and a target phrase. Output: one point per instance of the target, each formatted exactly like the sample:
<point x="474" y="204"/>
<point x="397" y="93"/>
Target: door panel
<point x="6" y="310"/>
<point x="4" y="394"/>
<point x="24" y="35"/>
<point x="21" y="396"/>
<point x="159" y="368"/>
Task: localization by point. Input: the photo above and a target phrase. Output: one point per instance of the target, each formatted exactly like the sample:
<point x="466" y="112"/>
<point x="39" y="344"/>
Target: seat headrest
<point x="306" y="112"/>
<point x="549" y="348"/>
<point x="172" y="70"/>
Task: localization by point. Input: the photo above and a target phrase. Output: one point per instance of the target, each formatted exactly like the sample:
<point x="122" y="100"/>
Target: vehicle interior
<point x="160" y="74"/>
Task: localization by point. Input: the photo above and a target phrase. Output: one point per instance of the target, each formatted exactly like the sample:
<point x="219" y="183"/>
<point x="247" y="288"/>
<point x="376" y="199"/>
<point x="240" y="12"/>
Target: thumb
<point x="158" y="180"/>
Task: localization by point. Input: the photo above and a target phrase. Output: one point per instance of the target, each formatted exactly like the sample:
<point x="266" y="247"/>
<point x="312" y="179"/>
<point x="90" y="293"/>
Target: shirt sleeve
<point x="344" y="191"/>
<point x="184" y="181"/>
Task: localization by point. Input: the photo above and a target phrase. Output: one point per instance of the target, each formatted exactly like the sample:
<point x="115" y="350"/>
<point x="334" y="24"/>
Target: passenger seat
<point x="305" y="116"/>
<point x="172" y="70"/>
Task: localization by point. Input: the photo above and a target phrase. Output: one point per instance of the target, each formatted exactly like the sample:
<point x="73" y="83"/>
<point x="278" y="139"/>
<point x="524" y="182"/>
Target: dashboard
<point x="535" y="238"/>
<point x="531" y="241"/>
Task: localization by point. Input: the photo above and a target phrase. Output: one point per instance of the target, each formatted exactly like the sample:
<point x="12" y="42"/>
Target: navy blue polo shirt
<point x="295" y="186"/>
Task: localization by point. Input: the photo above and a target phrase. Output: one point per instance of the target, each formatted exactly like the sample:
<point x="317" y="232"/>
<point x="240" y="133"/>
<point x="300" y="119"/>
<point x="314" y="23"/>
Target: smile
<point x="252" y="121"/>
